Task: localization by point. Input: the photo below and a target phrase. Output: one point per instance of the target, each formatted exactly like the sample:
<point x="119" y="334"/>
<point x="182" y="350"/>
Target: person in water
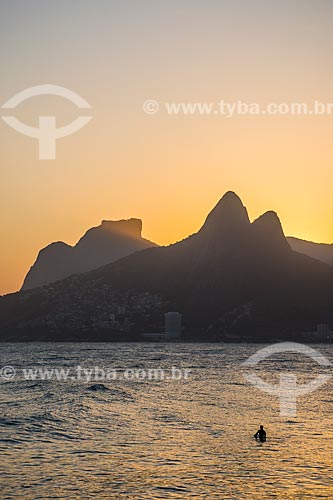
<point x="261" y="434"/>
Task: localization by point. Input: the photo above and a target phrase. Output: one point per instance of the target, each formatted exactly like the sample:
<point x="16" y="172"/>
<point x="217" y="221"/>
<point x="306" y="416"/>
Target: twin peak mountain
<point x="227" y="230"/>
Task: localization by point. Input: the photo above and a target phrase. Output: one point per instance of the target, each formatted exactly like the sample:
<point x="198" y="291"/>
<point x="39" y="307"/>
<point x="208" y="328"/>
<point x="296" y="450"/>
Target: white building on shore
<point x="172" y="329"/>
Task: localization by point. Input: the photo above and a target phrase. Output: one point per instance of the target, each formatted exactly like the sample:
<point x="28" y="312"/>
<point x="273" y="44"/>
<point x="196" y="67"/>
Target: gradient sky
<point x="169" y="171"/>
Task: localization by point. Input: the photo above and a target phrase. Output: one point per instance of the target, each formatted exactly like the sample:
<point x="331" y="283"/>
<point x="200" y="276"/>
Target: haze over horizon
<point x="169" y="171"/>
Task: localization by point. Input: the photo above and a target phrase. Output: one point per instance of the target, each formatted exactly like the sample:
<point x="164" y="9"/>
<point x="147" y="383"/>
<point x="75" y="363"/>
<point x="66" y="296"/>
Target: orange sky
<point x="168" y="170"/>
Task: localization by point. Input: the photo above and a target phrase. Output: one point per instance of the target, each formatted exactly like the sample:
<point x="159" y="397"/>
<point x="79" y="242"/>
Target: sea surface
<point x="133" y="438"/>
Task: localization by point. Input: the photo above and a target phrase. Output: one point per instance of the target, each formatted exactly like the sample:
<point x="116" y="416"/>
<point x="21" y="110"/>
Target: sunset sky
<point x="167" y="170"/>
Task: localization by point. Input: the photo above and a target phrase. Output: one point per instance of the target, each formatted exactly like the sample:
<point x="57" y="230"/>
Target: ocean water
<point x="134" y="438"/>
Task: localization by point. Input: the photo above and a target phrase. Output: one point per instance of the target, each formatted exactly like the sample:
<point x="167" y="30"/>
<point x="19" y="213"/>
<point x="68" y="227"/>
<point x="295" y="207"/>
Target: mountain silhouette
<point x="232" y="279"/>
<point x="113" y="240"/>
<point x="319" y="251"/>
<point x="99" y="246"/>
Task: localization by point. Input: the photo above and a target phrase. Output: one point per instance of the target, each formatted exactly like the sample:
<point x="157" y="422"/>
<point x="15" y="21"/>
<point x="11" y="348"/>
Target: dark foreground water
<point x="139" y="439"/>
